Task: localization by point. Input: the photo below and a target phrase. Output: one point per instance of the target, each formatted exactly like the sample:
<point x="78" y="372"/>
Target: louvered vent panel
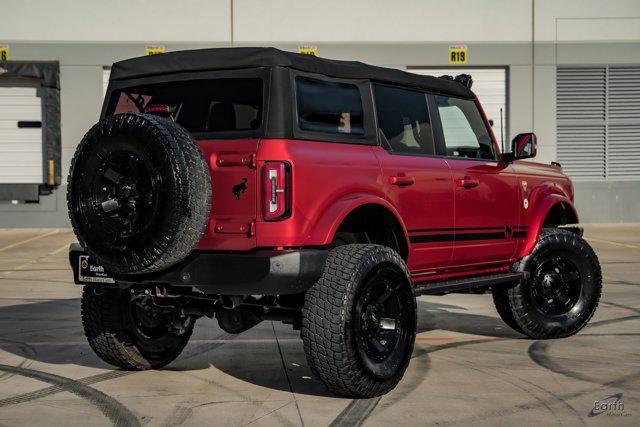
<point x="623" y="123"/>
<point x="623" y="151"/>
<point x="581" y="93"/>
<point x="581" y="131"/>
<point x="624" y="94"/>
<point x="581" y="151"/>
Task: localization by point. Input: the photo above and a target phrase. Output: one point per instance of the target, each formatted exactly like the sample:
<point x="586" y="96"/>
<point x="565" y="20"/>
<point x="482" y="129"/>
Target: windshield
<point x="214" y="105"/>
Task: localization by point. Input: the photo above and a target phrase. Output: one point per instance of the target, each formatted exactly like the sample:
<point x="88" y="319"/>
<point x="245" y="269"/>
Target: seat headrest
<point x="222" y="117"/>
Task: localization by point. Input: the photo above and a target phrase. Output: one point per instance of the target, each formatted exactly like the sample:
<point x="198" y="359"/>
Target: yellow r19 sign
<point x="4" y="52"/>
<point x="458" y="54"/>
<point x="308" y="50"/>
<point x="155" y="49"/>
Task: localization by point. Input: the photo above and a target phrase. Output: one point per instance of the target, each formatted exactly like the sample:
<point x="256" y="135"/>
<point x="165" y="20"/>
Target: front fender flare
<point x="540" y="214"/>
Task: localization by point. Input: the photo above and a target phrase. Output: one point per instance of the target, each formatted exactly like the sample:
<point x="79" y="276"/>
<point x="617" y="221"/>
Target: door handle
<point x="401" y="180"/>
<point x="467" y="183"/>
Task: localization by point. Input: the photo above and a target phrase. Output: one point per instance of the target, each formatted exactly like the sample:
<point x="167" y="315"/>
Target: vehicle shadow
<point x="51" y="332"/>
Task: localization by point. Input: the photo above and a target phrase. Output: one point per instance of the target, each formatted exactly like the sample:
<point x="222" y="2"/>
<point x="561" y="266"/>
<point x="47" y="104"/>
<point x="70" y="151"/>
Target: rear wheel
<point x="359" y="321"/>
<point x="131" y="332"/>
<point x="562" y="291"/>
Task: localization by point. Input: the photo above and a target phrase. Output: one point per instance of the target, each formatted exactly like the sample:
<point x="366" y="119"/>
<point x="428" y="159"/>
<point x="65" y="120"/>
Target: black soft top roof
<point x="252" y="57"/>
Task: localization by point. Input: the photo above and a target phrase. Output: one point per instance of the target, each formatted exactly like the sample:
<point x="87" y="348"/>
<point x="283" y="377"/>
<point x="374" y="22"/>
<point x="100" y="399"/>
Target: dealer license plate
<point x="90" y="272"/>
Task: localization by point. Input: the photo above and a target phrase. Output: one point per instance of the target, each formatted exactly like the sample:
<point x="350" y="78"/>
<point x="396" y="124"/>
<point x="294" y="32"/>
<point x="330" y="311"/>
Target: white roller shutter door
<point x="20" y="147"/>
<point x="489" y="85"/>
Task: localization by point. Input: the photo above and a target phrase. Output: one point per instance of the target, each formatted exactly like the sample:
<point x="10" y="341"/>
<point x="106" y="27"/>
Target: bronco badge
<point x="240" y="188"/>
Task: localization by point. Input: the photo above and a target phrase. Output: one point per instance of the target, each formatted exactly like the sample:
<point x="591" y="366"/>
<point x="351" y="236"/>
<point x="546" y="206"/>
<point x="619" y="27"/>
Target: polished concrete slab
<point x="467" y="367"/>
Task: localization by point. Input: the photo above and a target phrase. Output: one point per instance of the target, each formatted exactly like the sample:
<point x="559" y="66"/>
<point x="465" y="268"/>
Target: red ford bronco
<point x="252" y="184"/>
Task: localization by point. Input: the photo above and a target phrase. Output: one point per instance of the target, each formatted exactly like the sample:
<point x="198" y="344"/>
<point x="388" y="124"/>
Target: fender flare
<point x="327" y="226"/>
<point x="542" y="210"/>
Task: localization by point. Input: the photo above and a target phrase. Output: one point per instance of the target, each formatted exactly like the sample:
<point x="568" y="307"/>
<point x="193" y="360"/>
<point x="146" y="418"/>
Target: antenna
<point x="501" y="132"/>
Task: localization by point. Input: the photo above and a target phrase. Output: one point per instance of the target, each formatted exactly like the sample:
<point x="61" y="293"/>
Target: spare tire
<point x="139" y="193"/>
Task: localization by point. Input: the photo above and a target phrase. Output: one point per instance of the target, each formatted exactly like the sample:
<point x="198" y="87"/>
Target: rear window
<point x="214" y="105"/>
<point x="329" y="107"/>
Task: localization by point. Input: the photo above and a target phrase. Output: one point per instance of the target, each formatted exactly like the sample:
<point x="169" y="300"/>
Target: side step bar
<point x="453" y="285"/>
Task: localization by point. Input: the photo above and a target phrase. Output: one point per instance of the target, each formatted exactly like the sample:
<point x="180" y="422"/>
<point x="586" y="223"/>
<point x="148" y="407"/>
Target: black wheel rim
<point x="151" y="328"/>
<point x="556" y="285"/>
<point x="124" y="196"/>
<point x="384" y="322"/>
<point x="147" y="323"/>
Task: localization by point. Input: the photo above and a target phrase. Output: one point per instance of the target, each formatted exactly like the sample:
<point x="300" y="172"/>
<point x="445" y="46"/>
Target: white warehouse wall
<point x="382" y="21"/>
<point x="329" y="21"/>
<point x="260" y="21"/>
<point x="529" y="37"/>
<point x="586" y="20"/>
<point x="115" y="20"/>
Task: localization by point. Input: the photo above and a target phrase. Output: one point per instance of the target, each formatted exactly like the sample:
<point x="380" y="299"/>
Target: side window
<point x="403" y="119"/>
<point x="329" y="107"/>
<point x="211" y="105"/>
<point x="465" y="133"/>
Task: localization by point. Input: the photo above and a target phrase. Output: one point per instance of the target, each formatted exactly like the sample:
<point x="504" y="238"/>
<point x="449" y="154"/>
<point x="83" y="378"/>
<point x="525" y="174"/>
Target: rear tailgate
<point x="234" y="194"/>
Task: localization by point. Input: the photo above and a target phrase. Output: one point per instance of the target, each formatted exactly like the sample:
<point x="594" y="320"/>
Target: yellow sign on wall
<point x="155" y="49"/>
<point x="4" y="52"/>
<point x="308" y="50"/>
<point x="458" y="54"/>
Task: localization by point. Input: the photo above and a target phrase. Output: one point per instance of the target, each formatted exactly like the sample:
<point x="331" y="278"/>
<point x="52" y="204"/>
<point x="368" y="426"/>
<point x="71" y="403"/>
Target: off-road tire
<point x="516" y="305"/>
<point x="501" y="302"/>
<point x="183" y="200"/>
<point x="328" y="320"/>
<point x="111" y="336"/>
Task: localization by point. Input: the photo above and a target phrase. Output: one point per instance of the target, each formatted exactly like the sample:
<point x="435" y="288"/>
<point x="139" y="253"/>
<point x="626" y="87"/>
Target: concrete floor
<point x="467" y="365"/>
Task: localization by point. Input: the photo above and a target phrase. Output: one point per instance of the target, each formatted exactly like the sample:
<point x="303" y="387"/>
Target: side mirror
<point x="523" y="146"/>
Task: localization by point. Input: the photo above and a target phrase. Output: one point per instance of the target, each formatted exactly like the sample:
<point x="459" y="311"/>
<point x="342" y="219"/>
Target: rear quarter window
<point x="329" y="107"/>
<point x="202" y="106"/>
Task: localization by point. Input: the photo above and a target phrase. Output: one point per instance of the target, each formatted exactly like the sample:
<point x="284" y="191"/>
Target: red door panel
<point x="422" y="189"/>
<point x="486" y="212"/>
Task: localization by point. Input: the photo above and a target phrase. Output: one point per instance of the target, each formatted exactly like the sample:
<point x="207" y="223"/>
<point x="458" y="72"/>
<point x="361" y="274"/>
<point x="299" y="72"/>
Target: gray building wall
<point x="531" y="37"/>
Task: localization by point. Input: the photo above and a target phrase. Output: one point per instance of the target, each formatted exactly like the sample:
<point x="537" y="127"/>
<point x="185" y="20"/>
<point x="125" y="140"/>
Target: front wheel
<point x="562" y="290"/>
<point x="130" y="331"/>
<point x="359" y="321"/>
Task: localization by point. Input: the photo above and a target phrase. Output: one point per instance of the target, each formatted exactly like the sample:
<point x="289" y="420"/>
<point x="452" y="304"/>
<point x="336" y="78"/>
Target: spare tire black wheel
<point x="139" y="193"/>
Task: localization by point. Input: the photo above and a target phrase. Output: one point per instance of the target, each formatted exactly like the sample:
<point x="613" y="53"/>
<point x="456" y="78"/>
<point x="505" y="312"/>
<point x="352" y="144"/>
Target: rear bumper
<point x="260" y="272"/>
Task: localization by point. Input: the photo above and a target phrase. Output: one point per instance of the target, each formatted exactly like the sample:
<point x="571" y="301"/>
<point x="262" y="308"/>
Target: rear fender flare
<point x="326" y="228"/>
<point x="541" y="211"/>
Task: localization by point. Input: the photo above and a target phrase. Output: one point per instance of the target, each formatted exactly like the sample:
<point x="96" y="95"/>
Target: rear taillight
<point x="276" y="190"/>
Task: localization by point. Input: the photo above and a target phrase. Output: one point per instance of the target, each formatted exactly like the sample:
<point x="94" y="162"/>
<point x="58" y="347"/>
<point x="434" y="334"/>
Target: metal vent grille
<point x="623" y="151"/>
<point x="581" y="93"/>
<point x="581" y="109"/>
<point x="598" y="122"/>
<point x="624" y="93"/>
<point x="581" y="151"/>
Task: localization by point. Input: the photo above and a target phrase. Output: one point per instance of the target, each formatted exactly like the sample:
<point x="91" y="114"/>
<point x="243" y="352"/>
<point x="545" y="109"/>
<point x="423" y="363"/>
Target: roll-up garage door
<point x="489" y="85"/>
<point x="20" y="136"/>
